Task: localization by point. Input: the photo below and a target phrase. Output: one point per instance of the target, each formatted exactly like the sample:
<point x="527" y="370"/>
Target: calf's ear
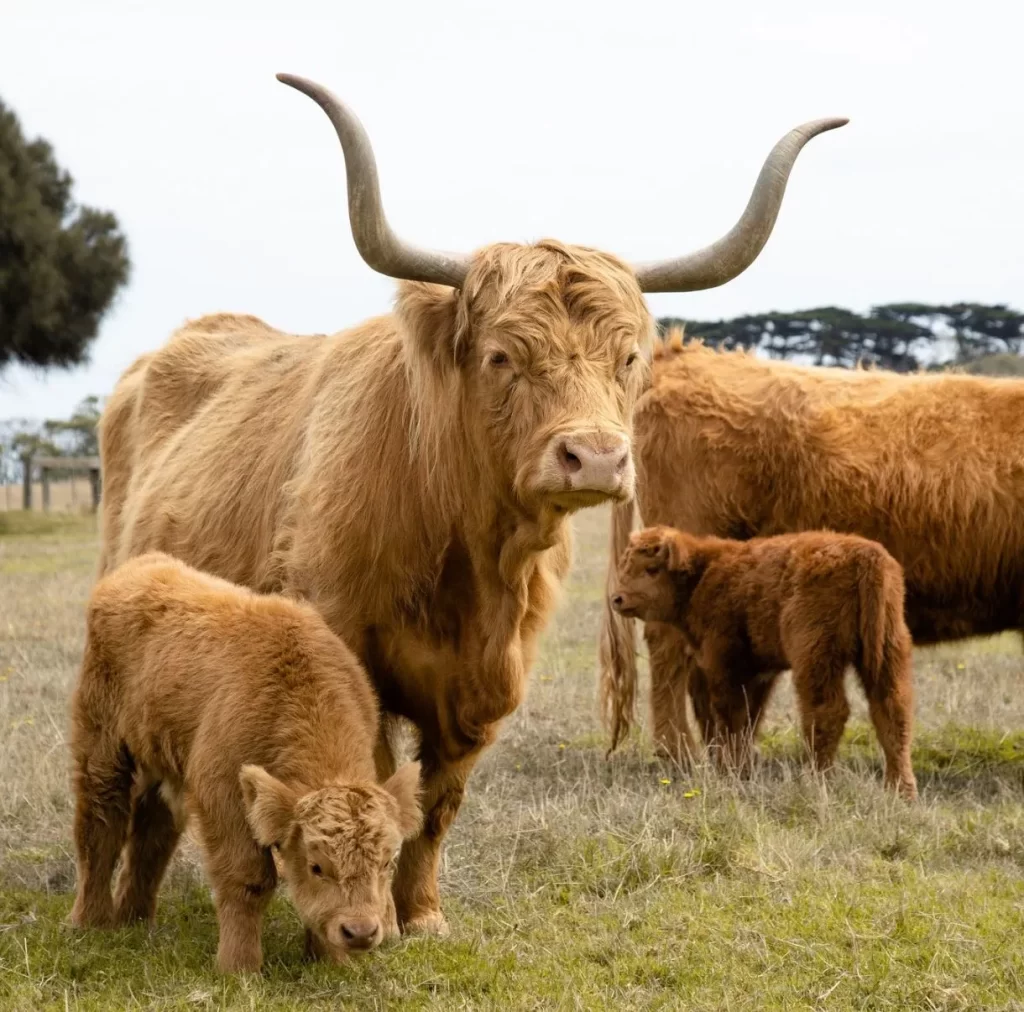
<point x="667" y="553"/>
<point x="404" y="787"/>
<point x="269" y="805"/>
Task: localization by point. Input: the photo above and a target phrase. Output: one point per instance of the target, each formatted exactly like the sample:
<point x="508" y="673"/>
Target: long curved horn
<point x="377" y="243"/>
<point x="723" y="260"/>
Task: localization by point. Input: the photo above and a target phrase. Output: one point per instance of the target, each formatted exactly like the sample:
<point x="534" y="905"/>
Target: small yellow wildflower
<point x="691" y="794"/>
<point x="665" y="781"/>
<point x="561" y="745"/>
<point x="960" y="665"/>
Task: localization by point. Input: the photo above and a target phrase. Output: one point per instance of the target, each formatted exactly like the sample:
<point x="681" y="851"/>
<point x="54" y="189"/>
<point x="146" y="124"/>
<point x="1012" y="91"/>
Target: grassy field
<point x="570" y="881"/>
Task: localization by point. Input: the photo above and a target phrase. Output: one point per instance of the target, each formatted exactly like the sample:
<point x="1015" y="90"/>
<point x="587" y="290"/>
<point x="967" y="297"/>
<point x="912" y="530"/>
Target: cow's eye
<point x="316" y="870"/>
<point x="631" y="359"/>
<point x="498" y="359"/>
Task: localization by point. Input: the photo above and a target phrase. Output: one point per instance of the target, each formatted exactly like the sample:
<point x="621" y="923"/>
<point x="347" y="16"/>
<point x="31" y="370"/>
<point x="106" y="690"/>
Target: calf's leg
<point x="102" y="777"/>
<point x="891" y="708"/>
<point x="152" y="841"/>
<point x="672" y="669"/>
<point x="243" y="878"/>
<point x="824" y="708"/>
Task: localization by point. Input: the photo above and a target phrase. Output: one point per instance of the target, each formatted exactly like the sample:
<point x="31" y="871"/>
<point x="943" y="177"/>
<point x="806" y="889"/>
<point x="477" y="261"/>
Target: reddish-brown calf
<point x="748" y="610"/>
<point x="199" y="698"/>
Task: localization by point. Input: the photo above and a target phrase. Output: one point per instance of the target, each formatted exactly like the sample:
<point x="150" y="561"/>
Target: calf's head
<point x="656" y="574"/>
<point x="336" y="849"/>
<point x="537" y="353"/>
<point x="644" y="587"/>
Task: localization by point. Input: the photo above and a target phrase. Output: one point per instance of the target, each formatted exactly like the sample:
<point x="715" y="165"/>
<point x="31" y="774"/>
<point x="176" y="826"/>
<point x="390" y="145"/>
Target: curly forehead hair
<point x="540" y="285"/>
<point x="361" y="816"/>
<point x="643" y="541"/>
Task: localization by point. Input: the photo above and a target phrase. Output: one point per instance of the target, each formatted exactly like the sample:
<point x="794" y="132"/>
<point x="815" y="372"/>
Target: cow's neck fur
<point x="377" y="555"/>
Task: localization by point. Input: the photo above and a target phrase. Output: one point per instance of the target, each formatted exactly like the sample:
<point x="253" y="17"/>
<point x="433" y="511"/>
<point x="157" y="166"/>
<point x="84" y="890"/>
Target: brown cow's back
<point x="201" y="673"/>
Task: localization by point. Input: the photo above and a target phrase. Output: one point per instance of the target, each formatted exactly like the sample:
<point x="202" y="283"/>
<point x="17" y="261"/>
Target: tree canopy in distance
<point x="903" y="336"/>
<point x="61" y="265"/>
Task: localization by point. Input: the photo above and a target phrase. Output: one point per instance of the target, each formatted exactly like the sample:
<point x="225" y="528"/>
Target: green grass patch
<point x="953" y="750"/>
<point x="33" y="524"/>
<point x="889" y="939"/>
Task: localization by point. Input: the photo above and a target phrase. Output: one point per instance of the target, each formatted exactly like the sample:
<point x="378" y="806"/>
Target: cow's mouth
<point x="570" y="500"/>
<point x="627" y="609"/>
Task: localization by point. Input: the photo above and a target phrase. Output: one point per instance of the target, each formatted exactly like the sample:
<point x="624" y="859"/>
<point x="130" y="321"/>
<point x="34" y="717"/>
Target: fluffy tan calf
<point x="197" y="697"/>
<point x="815" y="602"/>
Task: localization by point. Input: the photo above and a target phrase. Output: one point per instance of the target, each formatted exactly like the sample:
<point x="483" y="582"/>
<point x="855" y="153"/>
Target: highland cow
<point x="815" y="602"/>
<point x="411" y="476"/>
<point x="930" y="465"/>
<point x="201" y="699"/>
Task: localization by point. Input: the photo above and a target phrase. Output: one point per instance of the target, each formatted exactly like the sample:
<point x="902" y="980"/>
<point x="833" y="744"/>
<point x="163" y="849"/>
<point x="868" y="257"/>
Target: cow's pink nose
<point x="360" y="933"/>
<point x="597" y="464"/>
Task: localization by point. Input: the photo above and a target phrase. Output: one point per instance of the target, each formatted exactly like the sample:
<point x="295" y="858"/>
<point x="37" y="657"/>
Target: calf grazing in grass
<point x="748" y="610"/>
<point x="197" y="697"/>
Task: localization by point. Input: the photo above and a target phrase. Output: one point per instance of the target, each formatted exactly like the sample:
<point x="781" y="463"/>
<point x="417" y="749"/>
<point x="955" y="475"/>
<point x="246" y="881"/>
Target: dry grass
<point x="573" y="882"/>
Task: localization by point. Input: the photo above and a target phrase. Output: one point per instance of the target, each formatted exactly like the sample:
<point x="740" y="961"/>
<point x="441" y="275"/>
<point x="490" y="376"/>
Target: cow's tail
<point x="617" y="650"/>
<point x="882" y="629"/>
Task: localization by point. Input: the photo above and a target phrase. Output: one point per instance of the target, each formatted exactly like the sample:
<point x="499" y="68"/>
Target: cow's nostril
<point x="617" y="600"/>
<point x="570" y="462"/>
<point x="359" y="931"/>
<point x="622" y="462"/>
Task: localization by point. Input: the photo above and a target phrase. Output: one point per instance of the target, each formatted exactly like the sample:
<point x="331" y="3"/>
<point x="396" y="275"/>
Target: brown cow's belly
<point x="930" y="622"/>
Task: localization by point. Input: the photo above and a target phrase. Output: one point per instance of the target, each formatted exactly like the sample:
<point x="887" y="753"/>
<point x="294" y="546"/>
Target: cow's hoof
<point x="429" y="922"/>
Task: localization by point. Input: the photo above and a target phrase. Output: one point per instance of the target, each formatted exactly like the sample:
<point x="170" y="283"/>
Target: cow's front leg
<point x="415" y="888"/>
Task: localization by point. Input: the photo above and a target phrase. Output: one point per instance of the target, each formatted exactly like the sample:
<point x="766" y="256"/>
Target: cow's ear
<point x="435" y="321"/>
<point x="269" y="805"/>
<point x="673" y="554"/>
<point x="404" y="787"/>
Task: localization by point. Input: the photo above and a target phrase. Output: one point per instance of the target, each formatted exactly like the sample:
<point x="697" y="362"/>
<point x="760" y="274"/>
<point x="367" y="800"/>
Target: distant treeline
<point x="902" y="336"/>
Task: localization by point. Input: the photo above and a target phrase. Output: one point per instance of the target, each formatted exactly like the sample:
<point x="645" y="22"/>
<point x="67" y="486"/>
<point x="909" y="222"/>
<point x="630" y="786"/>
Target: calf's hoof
<point x="79" y="918"/>
<point x="427" y="922"/>
<point x="231" y="964"/>
<point x="907" y="789"/>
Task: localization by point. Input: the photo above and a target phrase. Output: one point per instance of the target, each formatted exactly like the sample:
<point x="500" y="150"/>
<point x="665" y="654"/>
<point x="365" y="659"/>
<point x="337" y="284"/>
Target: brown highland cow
<point x="197" y="697"/>
<point x="814" y="602"/>
<point x="930" y="465"/>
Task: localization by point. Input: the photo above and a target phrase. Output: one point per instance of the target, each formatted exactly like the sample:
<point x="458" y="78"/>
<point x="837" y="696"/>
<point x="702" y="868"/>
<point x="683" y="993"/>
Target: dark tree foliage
<point x="900" y="336"/>
<point x="60" y="265"/>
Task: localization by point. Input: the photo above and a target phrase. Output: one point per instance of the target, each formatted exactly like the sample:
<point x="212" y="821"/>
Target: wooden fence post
<point x="26" y="496"/>
<point x="44" y="475"/>
<point x="94" y="481"/>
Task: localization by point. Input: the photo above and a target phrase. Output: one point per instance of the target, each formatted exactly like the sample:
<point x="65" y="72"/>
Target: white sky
<point x="637" y="127"/>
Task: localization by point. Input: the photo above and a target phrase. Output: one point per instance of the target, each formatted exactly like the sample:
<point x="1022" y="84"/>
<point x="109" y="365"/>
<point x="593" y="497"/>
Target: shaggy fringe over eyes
<point x="538" y="289"/>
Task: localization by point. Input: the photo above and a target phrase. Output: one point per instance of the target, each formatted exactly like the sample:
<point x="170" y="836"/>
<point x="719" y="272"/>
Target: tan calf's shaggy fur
<point x="930" y="465"/>
<point x="814" y="602"/>
<point x="246" y="713"/>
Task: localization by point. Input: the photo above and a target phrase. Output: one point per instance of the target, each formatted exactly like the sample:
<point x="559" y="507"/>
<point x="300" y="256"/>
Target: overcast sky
<point x="637" y="127"/>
